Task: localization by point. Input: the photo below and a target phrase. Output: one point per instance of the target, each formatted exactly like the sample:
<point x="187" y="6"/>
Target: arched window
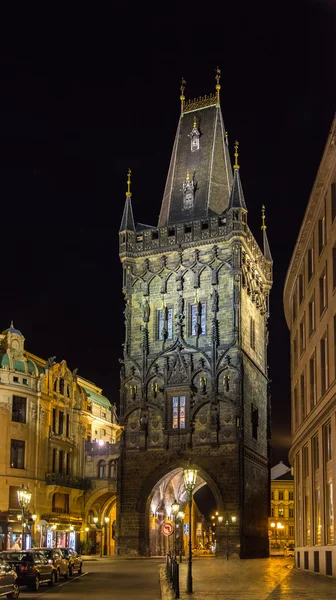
<point x="55" y="385"/>
<point x="102" y="469"/>
<point x="113" y="469"/>
<point x="61" y="386"/>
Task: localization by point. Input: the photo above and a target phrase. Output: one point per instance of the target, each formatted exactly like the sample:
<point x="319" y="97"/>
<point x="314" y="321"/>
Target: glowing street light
<point x="24" y="497"/>
<point x="189" y="476"/>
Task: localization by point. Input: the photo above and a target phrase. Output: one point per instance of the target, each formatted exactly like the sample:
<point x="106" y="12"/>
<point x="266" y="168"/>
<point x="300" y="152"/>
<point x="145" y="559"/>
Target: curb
<point x="166" y="591"/>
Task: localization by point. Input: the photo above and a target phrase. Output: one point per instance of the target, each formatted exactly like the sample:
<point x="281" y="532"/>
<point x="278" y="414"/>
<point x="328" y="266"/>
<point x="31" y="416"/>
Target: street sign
<point x="167" y="528"/>
<point x="185" y="528"/>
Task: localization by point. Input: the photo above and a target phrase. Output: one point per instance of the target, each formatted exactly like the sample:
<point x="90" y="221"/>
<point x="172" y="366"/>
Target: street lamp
<point x="189" y="476"/>
<point x="175" y="508"/>
<point x="87" y="534"/>
<point x="24" y="497"/>
<point x="180" y="516"/>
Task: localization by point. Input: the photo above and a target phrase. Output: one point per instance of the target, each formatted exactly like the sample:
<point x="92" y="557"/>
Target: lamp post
<point x="87" y="534"/>
<point x="24" y="497"/>
<point x="101" y="527"/>
<point x="277" y="526"/>
<point x="175" y="508"/>
<point x="189" y="475"/>
<point x="180" y="516"/>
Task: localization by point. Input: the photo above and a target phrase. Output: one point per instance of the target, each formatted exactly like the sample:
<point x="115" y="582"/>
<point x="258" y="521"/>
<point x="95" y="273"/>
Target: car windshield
<point x="66" y="551"/>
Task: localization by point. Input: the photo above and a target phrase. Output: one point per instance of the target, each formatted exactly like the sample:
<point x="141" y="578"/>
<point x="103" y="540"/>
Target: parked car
<point x="75" y="561"/>
<point x="9" y="585"/>
<point x="290" y="550"/>
<point x="31" y="567"/>
<point x="55" y="557"/>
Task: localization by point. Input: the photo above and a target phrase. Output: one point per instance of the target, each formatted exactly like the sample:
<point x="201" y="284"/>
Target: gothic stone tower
<point x="194" y="373"/>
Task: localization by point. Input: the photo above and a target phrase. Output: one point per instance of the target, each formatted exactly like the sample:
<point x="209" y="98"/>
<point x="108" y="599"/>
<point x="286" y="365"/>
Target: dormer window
<point x="194" y="137"/>
<point x="189" y="188"/>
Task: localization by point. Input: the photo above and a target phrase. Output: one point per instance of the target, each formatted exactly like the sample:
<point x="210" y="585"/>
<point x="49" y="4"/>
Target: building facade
<point x="310" y="309"/>
<point x="194" y="372"/>
<point x="55" y="427"/>
<point x="281" y="522"/>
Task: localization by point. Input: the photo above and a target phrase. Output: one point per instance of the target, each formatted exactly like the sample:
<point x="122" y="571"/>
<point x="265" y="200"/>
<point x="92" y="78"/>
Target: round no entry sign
<point x="167" y="528"/>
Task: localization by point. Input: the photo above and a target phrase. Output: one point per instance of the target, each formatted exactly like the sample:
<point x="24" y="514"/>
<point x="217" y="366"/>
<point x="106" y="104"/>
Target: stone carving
<point x="4" y="408"/>
<point x="145" y="311"/>
<point x="215" y="297"/>
<point x="50" y="362"/>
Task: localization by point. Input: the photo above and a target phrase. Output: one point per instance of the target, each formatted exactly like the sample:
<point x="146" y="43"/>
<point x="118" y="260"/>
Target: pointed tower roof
<point x="267" y="251"/>
<point x="200" y="150"/>
<point x="237" y="199"/>
<point x="127" y="221"/>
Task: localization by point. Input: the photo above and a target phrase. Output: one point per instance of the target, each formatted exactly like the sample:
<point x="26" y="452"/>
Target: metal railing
<point x="172" y="570"/>
<point x="81" y="483"/>
<point x="105" y="449"/>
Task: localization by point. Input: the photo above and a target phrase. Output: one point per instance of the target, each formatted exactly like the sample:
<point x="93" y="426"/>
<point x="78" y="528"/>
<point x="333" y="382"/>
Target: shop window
<point x="19" y="409"/>
<point x="178" y="412"/>
<point x="17" y="454"/>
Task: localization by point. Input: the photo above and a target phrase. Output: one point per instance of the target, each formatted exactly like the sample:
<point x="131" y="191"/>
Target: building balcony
<point x="62" y="437"/>
<point x="80" y="483"/>
<point x="99" y="483"/>
<point x="99" y="448"/>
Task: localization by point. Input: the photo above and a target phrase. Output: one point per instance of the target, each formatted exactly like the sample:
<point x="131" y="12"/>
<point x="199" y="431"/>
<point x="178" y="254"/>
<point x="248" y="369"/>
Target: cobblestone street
<point x="260" y="579"/>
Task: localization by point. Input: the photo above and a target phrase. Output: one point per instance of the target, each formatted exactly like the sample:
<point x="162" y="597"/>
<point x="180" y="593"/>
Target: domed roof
<point x="12" y="329"/>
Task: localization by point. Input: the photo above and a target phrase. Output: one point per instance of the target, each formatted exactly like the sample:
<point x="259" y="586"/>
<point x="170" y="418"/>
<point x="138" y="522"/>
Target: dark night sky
<point x="84" y="94"/>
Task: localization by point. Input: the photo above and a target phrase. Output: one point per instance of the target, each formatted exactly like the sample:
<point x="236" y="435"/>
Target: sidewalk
<point x="259" y="579"/>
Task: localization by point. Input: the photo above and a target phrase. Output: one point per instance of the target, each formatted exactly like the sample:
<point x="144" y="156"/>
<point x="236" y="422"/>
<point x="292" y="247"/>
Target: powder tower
<point x="194" y="378"/>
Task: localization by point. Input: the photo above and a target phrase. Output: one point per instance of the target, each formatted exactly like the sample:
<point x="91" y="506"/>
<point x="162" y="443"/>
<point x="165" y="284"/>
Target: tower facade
<point x="194" y="372"/>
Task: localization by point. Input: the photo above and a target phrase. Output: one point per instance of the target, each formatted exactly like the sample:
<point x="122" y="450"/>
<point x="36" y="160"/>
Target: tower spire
<point x="182" y="97"/>
<point x="127" y="221"/>
<point x="267" y="251"/>
<point x="237" y="199"/>
<point x="218" y="87"/>
<point x="236" y="165"/>
<point x="129" y="173"/>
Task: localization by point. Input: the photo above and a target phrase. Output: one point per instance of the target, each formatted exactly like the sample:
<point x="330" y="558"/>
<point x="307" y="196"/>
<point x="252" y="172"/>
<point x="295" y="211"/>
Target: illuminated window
<point x="102" y="469"/>
<point x="198" y="319"/>
<point x="281" y="512"/>
<point x="165" y="323"/>
<point x="179" y="408"/>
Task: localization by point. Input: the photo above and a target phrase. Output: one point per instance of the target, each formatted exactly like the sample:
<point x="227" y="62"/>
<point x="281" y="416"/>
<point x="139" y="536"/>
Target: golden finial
<point x="236" y="165"/>
<point x="227" y="138"/>
<point x="218" y="87"/>
<point x="182" y="97"/>
<point x="129" y="173"/>
<point x="195" y="122"/>
<point x="263" y="226"/>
